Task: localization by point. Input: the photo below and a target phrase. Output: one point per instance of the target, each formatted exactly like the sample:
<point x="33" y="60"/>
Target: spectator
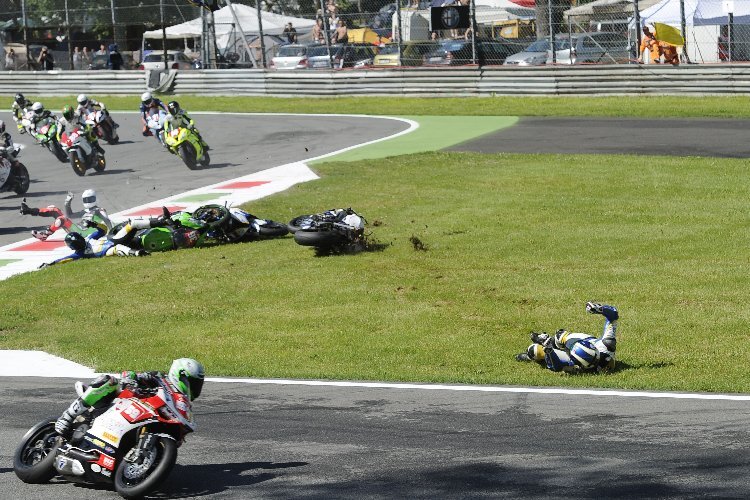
<point x="10" y="60"/>
<point x="45" y="60"/>
<point x="340" y="35"/>
<point x="115" y="58"/>
<point x="77" y="60"/>
<point x="649" y="42"/>
<point x="85" y="58"/>
<point x="102" y="51"/>
<point x="290" y="32"/>
<point x="317" y="31"/>
<point x="332" y="9"/>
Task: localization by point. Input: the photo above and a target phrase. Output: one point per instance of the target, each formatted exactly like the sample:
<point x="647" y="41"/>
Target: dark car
<point x="459" y="52"/>
<point x="342" y="56"/>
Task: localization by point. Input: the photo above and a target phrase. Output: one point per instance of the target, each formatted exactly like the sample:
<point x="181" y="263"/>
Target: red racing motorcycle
<point x="130" y="443"/>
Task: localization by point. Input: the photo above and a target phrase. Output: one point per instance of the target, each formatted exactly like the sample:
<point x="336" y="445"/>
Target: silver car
<point x="588" y="48"/>
<point x="290" y="57"/>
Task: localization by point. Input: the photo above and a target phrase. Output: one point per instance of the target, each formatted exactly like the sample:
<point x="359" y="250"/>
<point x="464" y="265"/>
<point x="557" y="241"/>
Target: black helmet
<point x="173" y="107"/>
<point x="68" y="112"/>
<point x="20" y="99"/>
<point x="75" y="242"/>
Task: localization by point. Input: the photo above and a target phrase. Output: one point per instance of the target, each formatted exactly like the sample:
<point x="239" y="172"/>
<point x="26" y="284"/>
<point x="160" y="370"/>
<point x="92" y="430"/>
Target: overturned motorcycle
<point x="13" y="174"/>
<point x="336" y="228"/>
<point x="130" y="443"/>
<point x="81" y="152"/>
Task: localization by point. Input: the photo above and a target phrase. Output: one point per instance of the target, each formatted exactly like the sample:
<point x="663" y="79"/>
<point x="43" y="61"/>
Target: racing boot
<point x="609" y="312"/>
<point x="64" y="424"/>
<point x="98" y="147"/>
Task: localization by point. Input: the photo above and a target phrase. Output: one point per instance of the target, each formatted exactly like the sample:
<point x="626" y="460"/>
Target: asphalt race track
<point x="283" y="441"/>
<point x="139" y="170"/>
<point x="693" y="137"/>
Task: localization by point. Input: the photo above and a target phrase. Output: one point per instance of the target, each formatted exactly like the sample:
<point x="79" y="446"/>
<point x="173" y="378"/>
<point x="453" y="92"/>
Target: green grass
<point x="651" y="106"/>
<point x="513" y="243"/>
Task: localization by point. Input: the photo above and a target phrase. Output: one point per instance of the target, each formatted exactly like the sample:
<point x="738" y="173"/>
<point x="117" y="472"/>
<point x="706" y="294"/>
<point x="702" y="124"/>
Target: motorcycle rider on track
<point x="18" y="108"/>
<point x="92" y="246"/>
<point x="70" y="121"/>
<point x="577" y="352"/>
<point x="6" y="141"/>
<point x="149" y="106"/>
<point x="92" y="212"/>
<point x="38" y="114"/>
<point x="177" y="118"/>
<point x="87" y="105"/>
<point x="185" y="376"/>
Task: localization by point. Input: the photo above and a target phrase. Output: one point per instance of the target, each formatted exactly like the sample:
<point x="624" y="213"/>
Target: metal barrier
<point x="427" y="82"/>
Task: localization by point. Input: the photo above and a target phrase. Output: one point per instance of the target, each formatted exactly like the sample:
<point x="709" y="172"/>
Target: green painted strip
<point x="200" y="197"/>
<point x="4" y="262"/>
<point x="434" y="133"/>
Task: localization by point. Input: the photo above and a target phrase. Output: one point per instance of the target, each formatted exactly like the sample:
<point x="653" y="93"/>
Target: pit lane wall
<point x="471" y="81"/>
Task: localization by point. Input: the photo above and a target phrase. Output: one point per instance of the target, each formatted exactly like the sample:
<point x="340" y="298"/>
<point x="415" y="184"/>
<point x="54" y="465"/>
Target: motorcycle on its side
<point x="333" y="228"/>
<point x="104" y="126"/>
<point x="81" y="152"/>
<point x="185" y="143"/>
<point x="240" y="225"/>
<point x="14" y="176"/>
<point x="130" y="443"/>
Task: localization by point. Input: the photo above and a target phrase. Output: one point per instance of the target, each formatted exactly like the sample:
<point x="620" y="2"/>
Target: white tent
<point x="273" y="24"/>
<point x="697" y="12"/>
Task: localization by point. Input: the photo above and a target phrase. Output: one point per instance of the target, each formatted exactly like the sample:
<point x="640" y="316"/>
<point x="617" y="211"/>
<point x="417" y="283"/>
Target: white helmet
<point x="37" y="107"/>
<point x="89" y="199"/>
<point x="146" y="96"/>
<point x="82" y="99"/>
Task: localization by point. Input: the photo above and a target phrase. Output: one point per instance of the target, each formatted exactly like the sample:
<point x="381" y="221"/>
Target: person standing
<point x="115" y="58"/>
<point x="649" y="42"/>
<point x="85" y="58"/>
<point x="102" y="51"/>
<point x="290" y="32"/>
<point x="45" y="60"/>
<point x="10" y="60"/>
<point x="317" y="31"/>
<point x="77" y="59"/>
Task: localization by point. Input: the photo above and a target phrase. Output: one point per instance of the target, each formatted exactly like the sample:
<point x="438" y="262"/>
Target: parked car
<point x="412" y="54"/>
<point x="292" y="56"/>
<point x="599" y="47"/>
<point x="459" y="52"/>
<point x="342" y="56"/>
<point x="175" y="60"/>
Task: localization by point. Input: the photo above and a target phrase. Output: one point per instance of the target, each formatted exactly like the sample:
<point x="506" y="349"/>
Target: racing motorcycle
<point x="13" y="174"/>
<point x="236" y="225"/>
<point x="155" y="125"/>
<point x="130" y="443"/>
<point x="79" y="149"/>
<point x="185" y="143"/>
<point x="104" y="126"/>
<point x="332" y="228"/>
<point x="46" y="134"/>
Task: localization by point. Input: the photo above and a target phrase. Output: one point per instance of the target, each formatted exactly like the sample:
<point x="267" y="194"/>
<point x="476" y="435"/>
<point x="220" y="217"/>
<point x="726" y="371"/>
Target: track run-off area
<point x="317" y="439"/>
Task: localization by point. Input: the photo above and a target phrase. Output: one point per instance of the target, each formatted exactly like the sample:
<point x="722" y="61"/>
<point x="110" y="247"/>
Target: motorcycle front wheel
<point x="57" y="150"/>
<point x="187" y="153"/>
<point x="323" y="239"/>
<point x="79" y="167"/>
<point x="134" y="480"/>
<point x="100" y="163"/>
<point x="298" y="222"/>
<point x="34" y="459"/>
<point x="273" y="229"/>
<point x="22" y="179"/>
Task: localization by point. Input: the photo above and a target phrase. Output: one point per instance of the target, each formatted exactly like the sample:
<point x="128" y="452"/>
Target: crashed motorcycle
<point x="130" y="443"/>
<point x="13" y="174"/>
<point x="103" y="125"/>
<point x="81" y="152"/>
<point x="237" y="225"/>
<point x="186" y="144"/>
<point x="46" y="134"/>
<point x="333" y="228"/>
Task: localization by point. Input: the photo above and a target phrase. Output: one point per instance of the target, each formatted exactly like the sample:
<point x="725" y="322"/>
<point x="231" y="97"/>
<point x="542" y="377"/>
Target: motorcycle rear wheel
<point x="78" y="166"/>
<point x="34" y="459"/>
<point x="323" y="239"/>
<point x="187" y="153"/>
<point x="137" y="487"/>
<point x="22" y="179"/>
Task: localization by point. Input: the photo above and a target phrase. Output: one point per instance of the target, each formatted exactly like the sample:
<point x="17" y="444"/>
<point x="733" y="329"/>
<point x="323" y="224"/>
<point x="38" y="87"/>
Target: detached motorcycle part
<point x="34" y="459"/>
<point x="134" y="480"/>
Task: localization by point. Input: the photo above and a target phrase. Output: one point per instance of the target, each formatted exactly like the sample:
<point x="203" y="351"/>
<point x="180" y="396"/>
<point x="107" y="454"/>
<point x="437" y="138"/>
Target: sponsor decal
<point x="109" y="449"/>
<point x="106" y="462"/>
<point x="107" y="473"/>
<point x="110" y="437"/>
<point x="181" y="405"/>
<point x="96" y="467"/>
<point x="61" y="463"/>
<point x="133" y="413"/>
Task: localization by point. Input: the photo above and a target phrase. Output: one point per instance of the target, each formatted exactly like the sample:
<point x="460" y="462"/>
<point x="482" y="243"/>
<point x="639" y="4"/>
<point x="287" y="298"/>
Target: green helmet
<point x="68" y="112"/>
<point x="186" y="375"/>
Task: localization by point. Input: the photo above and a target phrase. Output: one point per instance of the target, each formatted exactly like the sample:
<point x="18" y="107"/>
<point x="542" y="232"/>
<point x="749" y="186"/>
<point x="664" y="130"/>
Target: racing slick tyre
<point x="100" y="163"/>
<point x="22" y="177"/>
<point x="79" y="167"/>
<point x="273" y="229"/>
<point x="298" y="222"/>
<point x="206" y="160"/>
<point x="187" y="153"/>
<point x="57" y="150"/>
<point x="213" y="215"/>
<point x="133" y="480"/>
<point x="34" y="459"/>
<point x="318" y="238"/>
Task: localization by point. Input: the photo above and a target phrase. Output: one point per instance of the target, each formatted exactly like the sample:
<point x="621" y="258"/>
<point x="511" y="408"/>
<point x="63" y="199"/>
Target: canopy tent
<point x="697" y="12"/>
<point x="224" y="23"/>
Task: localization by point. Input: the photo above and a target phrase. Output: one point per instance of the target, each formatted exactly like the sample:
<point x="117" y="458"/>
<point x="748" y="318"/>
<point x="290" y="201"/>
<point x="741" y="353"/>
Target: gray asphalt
<point x="685" y="137"/>
<point x="279" y="442"/>
<point x="140" y="171"/>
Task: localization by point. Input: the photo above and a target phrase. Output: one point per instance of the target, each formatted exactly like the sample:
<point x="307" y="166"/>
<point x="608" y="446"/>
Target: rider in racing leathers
<point x="86" y="105"/>
<point x="6" y="141"/>
<point x="185" y="376"/>
<point x="18" y="108"/>
<point x="91" y="212"/>
<point x="70" y="121"/>
<point x="39" y="114"/>
<point x="577" y="352"/>
<point x="149" y="106"/>
<point x="177" y="118"/>
<point x="94" y="245"/>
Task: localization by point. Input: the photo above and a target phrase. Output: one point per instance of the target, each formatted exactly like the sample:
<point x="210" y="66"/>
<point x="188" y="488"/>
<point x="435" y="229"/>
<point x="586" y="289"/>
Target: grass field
<point x="510" y="243"/>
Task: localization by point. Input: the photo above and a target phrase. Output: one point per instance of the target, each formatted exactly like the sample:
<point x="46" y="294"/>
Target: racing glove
<point x="25" y="209"/>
